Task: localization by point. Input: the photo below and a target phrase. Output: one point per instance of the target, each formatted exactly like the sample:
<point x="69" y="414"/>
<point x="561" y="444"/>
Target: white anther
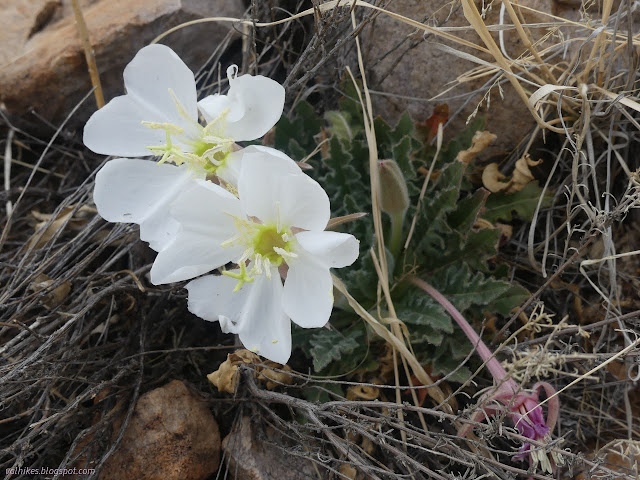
<point x="283" y="253"/>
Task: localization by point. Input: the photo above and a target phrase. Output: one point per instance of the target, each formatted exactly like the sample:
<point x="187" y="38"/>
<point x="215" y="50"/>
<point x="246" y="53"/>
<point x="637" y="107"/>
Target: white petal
<point x="206" y="208"/>
<point x="334" y="249"/>
<point x="266" y="329"/>
<point x="308" y="292"/>
<point x="254" y="312"/>
<point x="116" y="129"/>
<point x="275" y="159"/>
<point x="212" y="106"/>
<point x="269" y="193"/>
<point x="129" y="190"/>
<point x="140" y="191"/>
<point x="212" y="298"/>
<point x="305" y="204"/>
<point x="205" y="213"/>
<point x="154" y="71"/>
<point x="255" y="105"/>
<point x="159" y="230"/>
<point x="191" y="255"/>
<point x="230" y="171"/>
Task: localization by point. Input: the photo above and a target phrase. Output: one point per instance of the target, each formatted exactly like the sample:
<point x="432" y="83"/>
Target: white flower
<point x="140" y="191"/>
<point x="159" y="116"/>
<point x="276" y="223"/>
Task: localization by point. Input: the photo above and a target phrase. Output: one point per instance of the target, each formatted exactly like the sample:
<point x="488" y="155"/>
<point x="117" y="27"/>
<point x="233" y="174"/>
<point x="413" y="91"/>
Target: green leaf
<point x="361" y="279"/>
<point x="299" y="130"/>
<point x="447" y="365"/>
<point x="429" y="238"/>
<point x="501" y="206"/>
<point x="474" y="250"/>
<point x="512" y="298"/>
<point x="340" y="175"/>
<point x="401" y="153"/>
<point x="341" y="125"/>
<point x="465" y="137"/>
<point x="390" y="137"/>
<point x="404" y="127"/>
<point x="426" y="334"/>
<point x="296" y="151"/>
<point x="465" y="289"/>
<point x="330" y="345"/>
<point x="465" y="216"/>
<point x="350" y="102"/>
<point x="461" y="141"/>
<point x="418" y="308"/>
<point x="426" y="320"/>
<point x="323" y="392"/>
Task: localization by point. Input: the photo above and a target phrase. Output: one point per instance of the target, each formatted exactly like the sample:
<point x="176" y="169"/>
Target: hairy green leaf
<point x="465" y="289"/>
<point x="330" y="345"/>
<point x="510" y="299"/>
<point x="502" y="206"/>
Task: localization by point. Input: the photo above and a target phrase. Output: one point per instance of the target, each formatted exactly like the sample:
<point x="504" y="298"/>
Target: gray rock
<point x="42" y="61"/>
<point x="417" y="68"/>
<point x="250" y="457"/>
<point x="171" y="436"/>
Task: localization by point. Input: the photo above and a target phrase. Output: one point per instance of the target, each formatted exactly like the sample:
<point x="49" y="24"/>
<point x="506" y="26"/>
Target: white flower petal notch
<point x="276" y="224"/>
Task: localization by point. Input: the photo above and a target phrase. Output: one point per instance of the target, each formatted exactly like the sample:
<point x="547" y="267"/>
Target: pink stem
<point x="492" y="363"/>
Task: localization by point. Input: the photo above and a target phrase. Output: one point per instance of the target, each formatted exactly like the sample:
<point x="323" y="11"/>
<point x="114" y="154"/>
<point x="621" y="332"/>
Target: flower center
<point x="266" y="246"/>
<point x="266" y="243"/>
<point x="203" y="148"/>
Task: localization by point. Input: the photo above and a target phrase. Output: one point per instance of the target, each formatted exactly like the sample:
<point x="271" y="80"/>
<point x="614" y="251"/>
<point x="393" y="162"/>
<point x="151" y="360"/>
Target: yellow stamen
<point x="208" y="146"/>
<point x="242" y="277"/>
<point x="266" y="246"/>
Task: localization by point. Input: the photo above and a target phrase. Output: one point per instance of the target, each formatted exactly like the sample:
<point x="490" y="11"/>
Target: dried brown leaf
<point x="362" y="392"/>
<point x="225" y="378"/>
<point x="506" y="230"/>
<point x="492" y="179"/>
<point x="273" y="377"/>
<point x="522" y="174"/>
<point x="480" y="141"/>
<point x="67" y="218"/>
<point x="348" y="471"/>
<point x="53" y="297"/>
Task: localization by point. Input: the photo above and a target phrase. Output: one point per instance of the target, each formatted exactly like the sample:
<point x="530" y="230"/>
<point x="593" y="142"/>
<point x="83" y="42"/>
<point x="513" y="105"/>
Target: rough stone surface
<point x="172" y="436"/>
<point x="251" y="457"/>
<point x="417" y="68"/>
<point x="42" y="64"/>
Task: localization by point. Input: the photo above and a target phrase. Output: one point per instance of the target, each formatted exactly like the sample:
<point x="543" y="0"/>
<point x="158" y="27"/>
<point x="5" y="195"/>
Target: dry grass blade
<point x="88" y="53"/>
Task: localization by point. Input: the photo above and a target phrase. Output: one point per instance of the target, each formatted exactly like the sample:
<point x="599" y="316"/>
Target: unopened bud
<point x="392" y="193"/>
